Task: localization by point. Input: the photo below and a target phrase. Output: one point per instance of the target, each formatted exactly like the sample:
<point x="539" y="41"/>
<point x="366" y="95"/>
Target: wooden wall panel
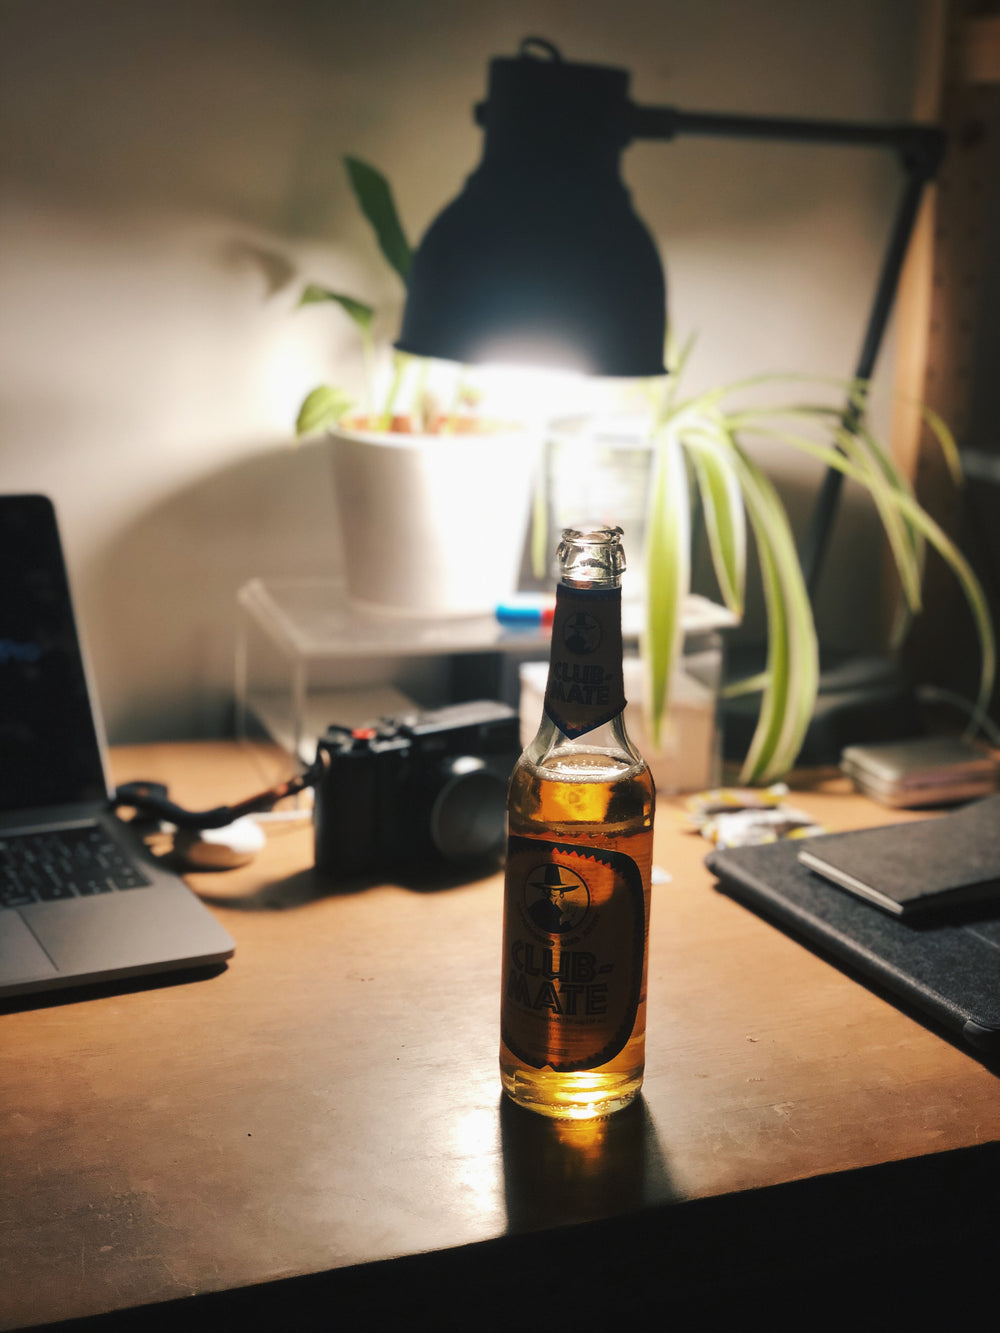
<point x="940" y="329"/>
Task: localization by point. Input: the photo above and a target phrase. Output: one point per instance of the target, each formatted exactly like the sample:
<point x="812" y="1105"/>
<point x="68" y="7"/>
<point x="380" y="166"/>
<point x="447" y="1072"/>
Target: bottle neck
<point x="585" y="689"/>
<point x="610" y="738"/>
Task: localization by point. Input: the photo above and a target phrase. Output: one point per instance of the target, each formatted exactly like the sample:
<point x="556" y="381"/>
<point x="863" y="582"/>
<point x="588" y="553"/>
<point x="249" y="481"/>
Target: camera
<point x="419" y="790"/>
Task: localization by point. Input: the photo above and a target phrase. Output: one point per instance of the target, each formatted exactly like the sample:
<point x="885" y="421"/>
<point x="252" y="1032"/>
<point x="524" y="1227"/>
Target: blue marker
<point x="528" y="609"/>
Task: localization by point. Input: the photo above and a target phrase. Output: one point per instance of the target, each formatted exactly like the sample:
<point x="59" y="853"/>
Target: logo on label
<point x="556" y="899"/>
<point x="582" y="633"/>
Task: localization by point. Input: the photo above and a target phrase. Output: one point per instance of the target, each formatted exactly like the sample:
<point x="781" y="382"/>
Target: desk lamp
<point x="541" y="258"/>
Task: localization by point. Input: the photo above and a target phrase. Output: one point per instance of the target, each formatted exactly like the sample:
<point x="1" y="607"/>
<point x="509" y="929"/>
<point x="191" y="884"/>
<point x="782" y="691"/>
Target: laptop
<point x="81" y="899"/>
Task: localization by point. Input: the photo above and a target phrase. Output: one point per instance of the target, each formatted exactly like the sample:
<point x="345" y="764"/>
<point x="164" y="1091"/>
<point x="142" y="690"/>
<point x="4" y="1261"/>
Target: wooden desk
<point x="331" y="1100"/>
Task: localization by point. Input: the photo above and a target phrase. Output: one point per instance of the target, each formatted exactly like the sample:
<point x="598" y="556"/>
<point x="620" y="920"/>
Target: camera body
<point x="416" y="791"/>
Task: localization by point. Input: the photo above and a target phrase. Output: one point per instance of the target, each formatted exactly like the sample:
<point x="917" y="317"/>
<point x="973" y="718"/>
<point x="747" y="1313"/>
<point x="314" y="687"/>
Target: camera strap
<point x="150" y="798"/>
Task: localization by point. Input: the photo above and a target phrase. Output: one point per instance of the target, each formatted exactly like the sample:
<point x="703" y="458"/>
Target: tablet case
<point x="947" y="968"/>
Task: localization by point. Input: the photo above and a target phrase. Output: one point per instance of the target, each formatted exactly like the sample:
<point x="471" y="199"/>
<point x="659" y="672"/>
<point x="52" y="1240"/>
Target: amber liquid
<point x="592" y="799"/>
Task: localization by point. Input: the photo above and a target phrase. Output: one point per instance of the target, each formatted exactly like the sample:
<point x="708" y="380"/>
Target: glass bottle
<point x="579" y="857"/>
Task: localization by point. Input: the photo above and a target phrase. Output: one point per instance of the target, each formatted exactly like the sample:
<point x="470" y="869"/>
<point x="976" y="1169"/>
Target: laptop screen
<point x="49" y="750"/>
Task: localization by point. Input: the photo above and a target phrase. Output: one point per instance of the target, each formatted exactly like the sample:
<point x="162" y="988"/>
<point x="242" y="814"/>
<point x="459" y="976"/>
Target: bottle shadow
<point x="559" y="1172"/>
<point x="310" y="885"/>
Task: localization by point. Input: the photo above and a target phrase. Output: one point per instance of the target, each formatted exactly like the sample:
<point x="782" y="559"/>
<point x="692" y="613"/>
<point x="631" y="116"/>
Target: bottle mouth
<point x="592" y="556"/>
<point x="593" y="534"/>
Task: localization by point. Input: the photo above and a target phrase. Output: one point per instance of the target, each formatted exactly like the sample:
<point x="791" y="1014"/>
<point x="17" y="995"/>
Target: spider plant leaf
<point x="888" y="465"/>
<point x="363" y="315"/>
<point x="724" y="515"/>
<point x="711" y="398"/>
<point x="791" y="678"/>
<point x="826" y="453"/>
<point x="322" y="408"/>
<point x="675" y="359"/>
<point x="971" y="589"/>
<point x="668" y="573"/>
<point x="764" y="744"/>
<point x="946" y="440"/>
<point x="897" y="529"/>
<point x="872" y="470"/>
<point x="877" y="474"/>
<point x="540" y="523"/>
<point x="793" y="655"/>
<point x="671" y="350"/>
<point x="929" y="529"/>
<point x="907" y="532"/>
<point x="374" y="194"/>
<point x="748" y="685"/>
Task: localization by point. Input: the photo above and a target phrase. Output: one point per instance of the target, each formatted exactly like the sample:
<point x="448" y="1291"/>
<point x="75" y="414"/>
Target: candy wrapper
<point x="742" y="817"/>
<point x="720" y="800"/>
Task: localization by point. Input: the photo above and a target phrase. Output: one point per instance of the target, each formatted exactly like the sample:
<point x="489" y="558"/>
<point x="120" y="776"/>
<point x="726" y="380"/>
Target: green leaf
<point x="374" y="194"/>
<point x="363" y="315"/>
<point x="897" y="530"/>
<point x="668" y="571"/>
<point x="675" y="359"/>
<point x="322" y="408"/>
<point x="759" y="761"/>
<point x="925" y="525"/>
<point x="899" y="482"/>
<point x="947" y="442"/>
<point x="400" y="362"/>
<point x="972" y="590"/>
<point x="839" y="438"/>
<point x="878" y="481"/>
<point x="709" y="399"/>
<point x="540" y="524"/>
<point x="748" y="685"/>
<point x="725" y="519"/>
<point x="793" y="654"/>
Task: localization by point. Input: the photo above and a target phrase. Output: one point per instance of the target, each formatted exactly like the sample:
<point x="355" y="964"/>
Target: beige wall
<point x="171" y="175"/>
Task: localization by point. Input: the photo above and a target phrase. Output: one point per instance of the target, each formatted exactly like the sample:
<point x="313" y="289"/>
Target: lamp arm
<point x="920" y="149"/>
<point x="817" y="534"/>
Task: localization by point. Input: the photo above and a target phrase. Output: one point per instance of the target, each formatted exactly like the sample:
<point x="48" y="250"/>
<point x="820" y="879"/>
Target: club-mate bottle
<point x="579" y="856"/>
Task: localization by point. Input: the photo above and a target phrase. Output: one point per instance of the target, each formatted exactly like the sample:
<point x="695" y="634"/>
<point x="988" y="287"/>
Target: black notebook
<point x="946" y="967"/>
<point x="923" y="866"/>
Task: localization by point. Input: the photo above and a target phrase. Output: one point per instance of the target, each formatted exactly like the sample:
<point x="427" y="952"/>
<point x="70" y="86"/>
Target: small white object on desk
<point x="235" y="844"/>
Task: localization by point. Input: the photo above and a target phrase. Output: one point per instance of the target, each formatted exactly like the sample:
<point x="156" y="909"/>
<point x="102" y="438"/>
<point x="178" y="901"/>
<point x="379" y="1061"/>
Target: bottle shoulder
<point x="604" y="754"/>
<point x="579" y="788"/>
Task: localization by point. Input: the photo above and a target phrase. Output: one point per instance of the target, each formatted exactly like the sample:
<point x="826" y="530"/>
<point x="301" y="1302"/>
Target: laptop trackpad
<point x="135" y="928"/>
<point x="22" y="958"/>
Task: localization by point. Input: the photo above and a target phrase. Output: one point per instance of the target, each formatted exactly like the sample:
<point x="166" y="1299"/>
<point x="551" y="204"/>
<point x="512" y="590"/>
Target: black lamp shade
<point x="541" y="259"/>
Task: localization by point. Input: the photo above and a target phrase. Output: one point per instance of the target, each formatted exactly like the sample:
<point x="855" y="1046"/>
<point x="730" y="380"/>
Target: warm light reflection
<point x="532" y="394"/>
<point x="477" y="1146"/>
<point x="289" y="364"/>
<point x="529" y="395"/>
<point x="585" y="1136"/>
<point x="538" y="395"/>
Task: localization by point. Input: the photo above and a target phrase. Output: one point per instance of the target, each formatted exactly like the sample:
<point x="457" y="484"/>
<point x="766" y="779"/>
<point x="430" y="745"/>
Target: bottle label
<point x="574" y="943"/>
<point x="585" y="688"/>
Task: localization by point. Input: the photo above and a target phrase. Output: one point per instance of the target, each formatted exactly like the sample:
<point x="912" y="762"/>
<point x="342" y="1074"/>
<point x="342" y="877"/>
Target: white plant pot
<point x="432" y="525"/>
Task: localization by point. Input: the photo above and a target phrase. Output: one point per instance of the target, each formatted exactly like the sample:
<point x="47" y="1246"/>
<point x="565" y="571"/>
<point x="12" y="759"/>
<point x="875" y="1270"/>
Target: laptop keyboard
<point x="65" y="863"/>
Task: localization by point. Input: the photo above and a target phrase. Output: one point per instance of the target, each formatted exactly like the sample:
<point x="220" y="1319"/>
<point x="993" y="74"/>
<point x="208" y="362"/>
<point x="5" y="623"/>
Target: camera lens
<point x="468" y="815"/>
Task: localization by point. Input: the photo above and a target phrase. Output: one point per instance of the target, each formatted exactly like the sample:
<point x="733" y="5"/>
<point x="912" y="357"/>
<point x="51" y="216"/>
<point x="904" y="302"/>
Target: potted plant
<point x="443" y="472"/>
<point x="698" y="452"/>
<point x="433" y="497"/>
